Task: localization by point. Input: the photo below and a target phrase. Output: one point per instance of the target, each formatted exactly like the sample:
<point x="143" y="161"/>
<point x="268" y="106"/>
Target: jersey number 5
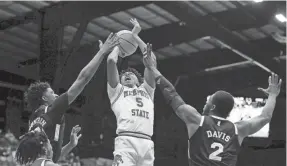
<point x="139" y="102"/>
<point x="214" y="155"/>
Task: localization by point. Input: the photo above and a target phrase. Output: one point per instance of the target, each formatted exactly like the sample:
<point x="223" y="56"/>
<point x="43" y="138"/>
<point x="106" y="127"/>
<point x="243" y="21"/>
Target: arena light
<point x="257" y="1"/>
<point x="281" y="17"/>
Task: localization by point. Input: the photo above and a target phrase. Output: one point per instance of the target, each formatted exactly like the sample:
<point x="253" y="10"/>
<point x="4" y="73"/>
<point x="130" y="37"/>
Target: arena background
<point x="200" y="46"/>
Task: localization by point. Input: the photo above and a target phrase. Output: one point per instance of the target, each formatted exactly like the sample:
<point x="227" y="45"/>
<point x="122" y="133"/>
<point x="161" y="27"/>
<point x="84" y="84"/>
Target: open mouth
<point x="127" y="79"/>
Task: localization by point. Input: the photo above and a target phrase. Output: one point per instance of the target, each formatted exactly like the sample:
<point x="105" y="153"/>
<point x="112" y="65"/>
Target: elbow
<point x="266" y="118"/>
<point x="84" y="75"/>
<point x="111" y="60"/>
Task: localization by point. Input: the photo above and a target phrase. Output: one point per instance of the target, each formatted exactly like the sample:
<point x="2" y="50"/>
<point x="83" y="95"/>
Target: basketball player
<point x="35" y="148"/>
<point x="213" y="140"/>
<point x="132" y="103"/>
<point x="48" y="108"/>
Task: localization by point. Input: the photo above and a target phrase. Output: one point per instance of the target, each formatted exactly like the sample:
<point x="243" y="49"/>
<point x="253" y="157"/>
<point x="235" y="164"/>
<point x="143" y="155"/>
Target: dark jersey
<point x="49" y="119"/>
<point x="215" y="143"/>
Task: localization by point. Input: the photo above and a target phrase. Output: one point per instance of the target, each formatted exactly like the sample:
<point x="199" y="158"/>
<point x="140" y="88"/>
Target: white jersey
<point x="133" y="108"/>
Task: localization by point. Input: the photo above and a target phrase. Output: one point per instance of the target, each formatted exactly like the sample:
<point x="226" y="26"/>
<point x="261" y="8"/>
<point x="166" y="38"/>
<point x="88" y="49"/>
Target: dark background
<point x="187" y="71"/>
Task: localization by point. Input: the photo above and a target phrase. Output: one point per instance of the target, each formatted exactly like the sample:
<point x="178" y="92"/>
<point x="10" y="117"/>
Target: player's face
<point x="129" y="79"/>
<point x="208" y="106"/>
<point x="49" y="96"/>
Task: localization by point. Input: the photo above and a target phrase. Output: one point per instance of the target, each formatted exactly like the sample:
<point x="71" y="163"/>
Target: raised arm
<point x="150" y="80"/>
<point x="184" y="111"/>
<point x="74" y="138"/>
<point x="251" y="126"/>
<point x="112" y="69"/>
<point x="90" y="69"/>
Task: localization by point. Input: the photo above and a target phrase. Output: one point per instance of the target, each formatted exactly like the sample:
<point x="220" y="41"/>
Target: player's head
<point x="130" y="77"/>
<point x="39" y="93"/>
<point x="33" y="145"/>
<point x="219" y="104"/>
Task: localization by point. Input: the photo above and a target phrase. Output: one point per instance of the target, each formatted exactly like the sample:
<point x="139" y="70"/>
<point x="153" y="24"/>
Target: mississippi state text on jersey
<point x="133" y="108"/>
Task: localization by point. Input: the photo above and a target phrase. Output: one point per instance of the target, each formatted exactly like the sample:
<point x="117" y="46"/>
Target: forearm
<point x="168" y="91"/>
<point x="66" y="150"/>
<point x="141" y="43"/>
<point x="90" y="69"/>
<point x="112" y="69"/>
<point x="269" y="107"/>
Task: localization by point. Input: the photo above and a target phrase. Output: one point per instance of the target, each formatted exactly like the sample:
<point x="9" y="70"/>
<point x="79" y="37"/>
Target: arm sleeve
<point x="113" y="93"/>
<point x="58" y="108"/>
<point x="169" y="92"/>
<point x="149" y="89"/>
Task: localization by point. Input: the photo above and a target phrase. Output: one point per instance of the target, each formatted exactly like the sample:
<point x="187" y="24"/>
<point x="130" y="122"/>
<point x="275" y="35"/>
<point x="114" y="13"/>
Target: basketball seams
<point x="122" y="49"/>
<point x="128" y="41"/>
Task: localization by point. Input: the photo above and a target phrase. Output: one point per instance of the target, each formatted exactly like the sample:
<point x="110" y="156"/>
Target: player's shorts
<point x="132" y="151"/>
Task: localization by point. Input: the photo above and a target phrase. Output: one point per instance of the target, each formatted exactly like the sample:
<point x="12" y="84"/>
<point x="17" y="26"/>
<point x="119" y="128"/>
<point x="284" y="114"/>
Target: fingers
<point x="279" y="84"/>
<point x="76" y="129"/>
<point x="100" y="43"/>
<point x="149" y="48"/>
<point x="263" y="90"/>
<point x="110" y="36"/>
<point x="79" y="136"/>
<point x="269" y="80"/>
<point x="274" y="79"/>
<point x="133" y="21"/>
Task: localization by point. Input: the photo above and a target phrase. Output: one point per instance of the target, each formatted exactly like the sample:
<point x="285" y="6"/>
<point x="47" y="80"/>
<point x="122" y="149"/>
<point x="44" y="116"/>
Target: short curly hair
<point x="32" y="145"/>
<point x="138" y="75"/>
<point x="33" y="95"/>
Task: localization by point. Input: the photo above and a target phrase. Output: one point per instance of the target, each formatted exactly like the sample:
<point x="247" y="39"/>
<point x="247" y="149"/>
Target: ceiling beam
<point x="214" y="28"/>
<point x="253" y="15"/>
<point x="18" y="20"/>
<point x="214" y="57"/>
<point x="74" y="12"/>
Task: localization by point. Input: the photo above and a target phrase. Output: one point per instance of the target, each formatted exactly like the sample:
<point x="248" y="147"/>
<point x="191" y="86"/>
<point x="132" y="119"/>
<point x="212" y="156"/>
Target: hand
<point x="110" y="43"/>
<point x="117" y="160"/>
<point x="137" y="28"/>
<point x="114" y="55"/>
<point x="74" y="138"/>
<point x="149" y="60"/>
<point x="274" y="85"/>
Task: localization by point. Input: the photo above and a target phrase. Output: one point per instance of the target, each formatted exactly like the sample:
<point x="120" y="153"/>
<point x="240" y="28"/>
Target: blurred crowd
<point x="8" y="145"/>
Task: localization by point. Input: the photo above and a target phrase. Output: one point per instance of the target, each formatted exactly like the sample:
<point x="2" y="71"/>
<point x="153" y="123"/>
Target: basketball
<point x="127" y="43"/>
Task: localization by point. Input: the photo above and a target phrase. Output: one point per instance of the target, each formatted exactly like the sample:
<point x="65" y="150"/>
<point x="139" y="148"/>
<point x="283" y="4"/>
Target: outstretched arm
<point x="90" y="69"/>
<point x="61" y="104"/>
<point x="74" y="138"/>
<point x="150" y="80"/>
<point x="251" y="126"/>
<point x="112" y="69"/>
<point x="184" y="111"/>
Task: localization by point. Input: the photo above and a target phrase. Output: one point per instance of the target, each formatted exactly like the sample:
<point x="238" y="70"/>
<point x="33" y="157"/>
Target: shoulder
<point x="50" y="163"/>
<point x="38" y="112"/>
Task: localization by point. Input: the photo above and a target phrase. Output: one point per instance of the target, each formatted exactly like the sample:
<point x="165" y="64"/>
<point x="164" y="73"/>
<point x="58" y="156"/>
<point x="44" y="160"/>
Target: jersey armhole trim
<point x="201" y="121"/>
<point x="43" y="163"/>
<point x="46" y="109"/>
<point x="151" y="97"/>
<point x="188" y="155"/>
<point x="122" y="89"/>
<point x="236" y="130"/>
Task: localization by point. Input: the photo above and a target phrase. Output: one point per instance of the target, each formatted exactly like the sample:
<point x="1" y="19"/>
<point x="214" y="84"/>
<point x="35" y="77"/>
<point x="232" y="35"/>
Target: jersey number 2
<point x="139" y="102"/>
<point x="214" y="155"/>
